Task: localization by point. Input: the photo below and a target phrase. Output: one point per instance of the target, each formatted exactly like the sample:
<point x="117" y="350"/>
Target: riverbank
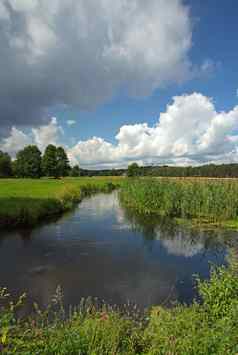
<point x="28" y="202"/>
<point x="196" y="201"/>
<point x="206" y="328"/>
<point x="213" y="202"/>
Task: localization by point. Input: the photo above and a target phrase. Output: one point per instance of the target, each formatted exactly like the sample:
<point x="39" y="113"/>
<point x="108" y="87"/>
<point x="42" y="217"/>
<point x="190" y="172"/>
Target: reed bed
<point x="204" y="200"/>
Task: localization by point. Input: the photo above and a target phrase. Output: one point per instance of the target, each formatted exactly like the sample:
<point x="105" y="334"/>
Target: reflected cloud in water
<point x="179" y="240"/>
<point x="104" y="250"/>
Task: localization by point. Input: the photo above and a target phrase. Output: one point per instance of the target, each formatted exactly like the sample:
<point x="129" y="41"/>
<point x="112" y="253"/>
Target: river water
<point x="103" y="250"/>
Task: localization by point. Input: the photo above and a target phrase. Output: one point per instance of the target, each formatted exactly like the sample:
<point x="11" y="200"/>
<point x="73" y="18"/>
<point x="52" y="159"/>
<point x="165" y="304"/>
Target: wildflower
<point x="104" y="316"/>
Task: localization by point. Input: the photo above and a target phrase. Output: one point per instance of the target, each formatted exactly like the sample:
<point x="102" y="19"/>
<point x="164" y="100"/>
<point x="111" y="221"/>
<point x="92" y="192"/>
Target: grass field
<point x="201" y="200"/>
<point x="26" y="202"/>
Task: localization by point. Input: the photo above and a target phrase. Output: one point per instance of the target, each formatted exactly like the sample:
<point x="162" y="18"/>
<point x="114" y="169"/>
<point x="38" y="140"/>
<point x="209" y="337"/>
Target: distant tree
<point x="28" y="162"/>
<point x="75" y="171"/>
<point x="133" y="170"/>
<point x="63" y="166"/>
<point x="5" y="165"/>
<point x="49" y="161"/>
<point x="14" y="168"/>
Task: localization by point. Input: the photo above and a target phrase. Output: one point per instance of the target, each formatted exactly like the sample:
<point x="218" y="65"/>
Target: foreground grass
<point x="200" y="200"/>
<point x="206" y="328"/>
<point x="26" y="202"/>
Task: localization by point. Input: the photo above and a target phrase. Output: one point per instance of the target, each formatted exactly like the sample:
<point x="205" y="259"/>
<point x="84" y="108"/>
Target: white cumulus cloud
<point x="50" y="133"/>
<point x="16" y="141"/>
<point x="190" y="131"/>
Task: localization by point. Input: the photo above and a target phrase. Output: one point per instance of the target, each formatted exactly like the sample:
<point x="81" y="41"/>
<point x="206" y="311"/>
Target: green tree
<point x="28" y="162"/>
<point x="49" y="161"/>
<point x="133" y="170"/>
<point x="5" y="165"/>
<point x="63" y="167"/>
<point x="75" y="171"/>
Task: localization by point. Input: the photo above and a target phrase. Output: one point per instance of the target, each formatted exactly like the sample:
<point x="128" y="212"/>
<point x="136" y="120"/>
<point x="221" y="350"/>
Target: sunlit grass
<point x="27" y="202"/>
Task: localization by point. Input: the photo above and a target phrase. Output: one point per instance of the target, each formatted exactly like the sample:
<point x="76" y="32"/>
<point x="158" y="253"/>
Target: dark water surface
<point x="102" y="250"/>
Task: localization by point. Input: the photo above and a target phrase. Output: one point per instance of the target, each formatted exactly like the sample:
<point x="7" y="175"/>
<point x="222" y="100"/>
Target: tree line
<point x="54" y="162"/>
<point x="209" y="170"/>
<point x="31" y="163"/>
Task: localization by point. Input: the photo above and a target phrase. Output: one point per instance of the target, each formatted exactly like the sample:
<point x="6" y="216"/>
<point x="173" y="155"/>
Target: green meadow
<point x="26" y="202"/>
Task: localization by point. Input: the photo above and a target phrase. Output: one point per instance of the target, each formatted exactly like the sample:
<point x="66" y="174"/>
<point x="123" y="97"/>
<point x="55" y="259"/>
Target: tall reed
<point x="212" y="200"/>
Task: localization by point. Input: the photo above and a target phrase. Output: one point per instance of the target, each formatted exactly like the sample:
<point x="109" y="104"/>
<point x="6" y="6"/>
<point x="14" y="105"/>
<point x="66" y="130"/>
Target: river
<point x="103" y="250"/>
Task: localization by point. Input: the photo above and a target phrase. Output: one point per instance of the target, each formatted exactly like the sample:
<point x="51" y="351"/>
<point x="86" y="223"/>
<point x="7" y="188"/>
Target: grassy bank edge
<point x="29" y="211"/>
<point x="208" y="327"/>
<point x="206" y="224"/>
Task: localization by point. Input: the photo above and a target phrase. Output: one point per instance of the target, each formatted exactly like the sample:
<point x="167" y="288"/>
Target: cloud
<point x="190" y="131"/>
<point x="58" y="52"/>
<point x="46" y="134"/>
<point x="183" y="244"/>
<point x="71" y="122"/>
<point x="17" y="140"/>
<point x="50" y="133"/>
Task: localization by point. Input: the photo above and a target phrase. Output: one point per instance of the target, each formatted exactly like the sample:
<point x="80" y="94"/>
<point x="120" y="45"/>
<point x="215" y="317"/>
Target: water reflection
<point x="104" y="250"/>
<point x="179" y="240"/>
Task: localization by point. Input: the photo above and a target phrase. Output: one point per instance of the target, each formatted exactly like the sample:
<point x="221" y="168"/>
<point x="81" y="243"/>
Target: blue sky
<point x="215" y="38"/>
<point x="109" y="74"/>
